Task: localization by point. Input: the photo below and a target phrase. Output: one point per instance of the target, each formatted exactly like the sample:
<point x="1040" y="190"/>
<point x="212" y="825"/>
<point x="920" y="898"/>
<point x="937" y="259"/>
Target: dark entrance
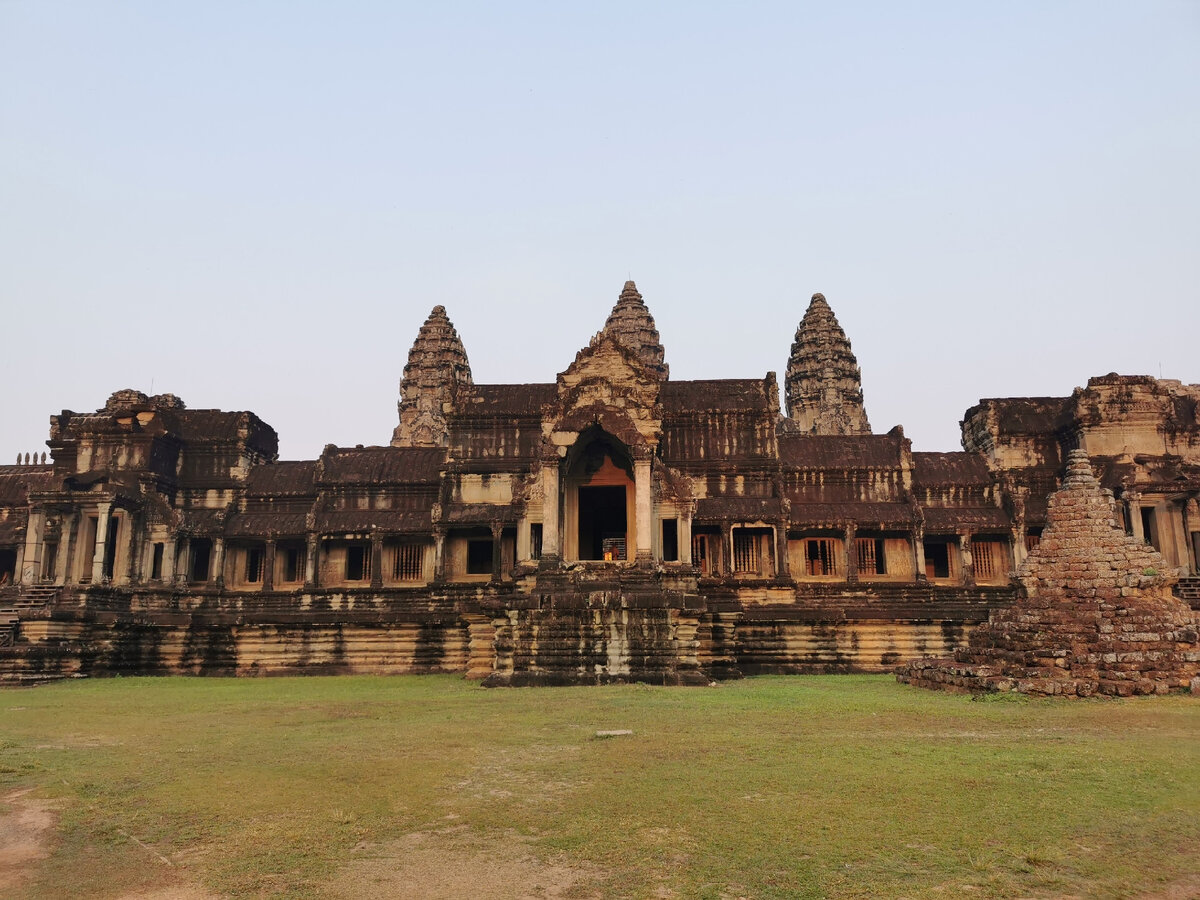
<point x="602" y="522"/>
<point x="8" y="566"/>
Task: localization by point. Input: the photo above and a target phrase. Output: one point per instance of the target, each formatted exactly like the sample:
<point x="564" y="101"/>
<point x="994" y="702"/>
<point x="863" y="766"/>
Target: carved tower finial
<point x="631" y="324"/>
<point x="437" y="365"/>
<point x="824" y="385"/>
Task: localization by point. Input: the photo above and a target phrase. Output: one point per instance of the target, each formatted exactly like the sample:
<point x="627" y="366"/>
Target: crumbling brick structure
<point x="1096" y="613"/>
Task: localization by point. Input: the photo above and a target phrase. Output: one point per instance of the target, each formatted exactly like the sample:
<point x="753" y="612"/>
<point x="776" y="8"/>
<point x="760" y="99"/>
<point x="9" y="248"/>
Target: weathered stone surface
<point x="631" y="324"/>
<point x="823" y="382"/>
<point x="1097" y="614"/>
<point x="437" y="366"/>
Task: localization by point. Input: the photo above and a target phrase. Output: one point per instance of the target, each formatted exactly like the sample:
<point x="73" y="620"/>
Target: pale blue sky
<point x="254" y="205"/>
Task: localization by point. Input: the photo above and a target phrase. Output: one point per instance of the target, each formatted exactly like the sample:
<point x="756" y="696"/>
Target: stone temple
<point x="610" y="525"/>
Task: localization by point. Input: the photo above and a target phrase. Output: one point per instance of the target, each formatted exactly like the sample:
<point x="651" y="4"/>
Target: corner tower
<point x="437" y="365"/>
<point x="632" y="325"/>
<point x="823" y="383"/>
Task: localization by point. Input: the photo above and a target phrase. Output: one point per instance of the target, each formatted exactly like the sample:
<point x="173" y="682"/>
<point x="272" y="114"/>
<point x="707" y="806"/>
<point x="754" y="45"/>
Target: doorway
<point x="602" y="522"/>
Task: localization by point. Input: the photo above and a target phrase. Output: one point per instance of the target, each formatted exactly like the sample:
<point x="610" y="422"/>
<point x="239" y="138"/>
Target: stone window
<point x="702" y="557"/>
<point x="988" y="558"/>
<point x="156" y="562"/>
<point x="753" y="551"/>
<point x="670" y="540"/>
<point x="479" y="556"/>
<point x="1150" y="527"/>
<point x="1033" y="537"/>
<point x="49" y="560"/>
<point x="254" y="565"/>
<point x="358" y="562"/>
<point x="535" y="540"/>
<point x="407" y="562"/>
<point x="820" y="556"/>
<point x="937" y="559"/>
<point x="871" y="557"/>
<point x="201" y="555"/>
<point x="295" y="558"/>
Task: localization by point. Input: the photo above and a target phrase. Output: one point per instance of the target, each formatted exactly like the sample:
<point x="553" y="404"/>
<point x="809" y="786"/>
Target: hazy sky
<point x="254" y="205"/>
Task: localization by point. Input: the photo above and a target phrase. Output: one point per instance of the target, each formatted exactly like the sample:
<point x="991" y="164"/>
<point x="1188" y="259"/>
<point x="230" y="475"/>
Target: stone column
<point x="726" y="561"/>
<point x="918" y="543"/>
<point x="268" y="578"/>
<point x="551" y="543"/>
<point x="1019" y="552"/>
<point x="783" y="565"/>
<point x="376" y="561"/>
<point x="851" y="553"/>
<point x="66" y="548"/>
<point x="439" y="554"/>
<point x="497" y="551"/>
<point x="216" y="574"/>
<point x="965" y="561"/>
<point x="311" y="569"/>
<point x="185" y="554"/>
<point x="101" y="542"/>
<point x="1135" y="521"/>
<point x="168" y="561"/>
<point x="685" y="533"/>
<point x="31" y="562"/>
<point x="642" y="511"/>
<point x="133" y="568"/>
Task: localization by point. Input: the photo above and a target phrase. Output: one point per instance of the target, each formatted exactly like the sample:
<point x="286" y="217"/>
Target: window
<point x="670" y="540"/>
<point x="407" y="562"/>
<point x="156" y="561"/>
<point x="1033" y="537"/>
<point x="49" y="560"/>
<point x="820" y="556"/>
<point x="700" y="555"/>
<point x="937" y="559"/>
<point x="295" y="558"/>
<point x="201" y="551"/>
<point x="753" y="551"/>
<point x="535" y="540"/>
<point x="254" y="565"/>
<point x="358" y="562"/>
<point x="986" y="559"/>
<point x="479" y="557"/>
<point x="1149" y="527"/>
<point x="871" y="557"/>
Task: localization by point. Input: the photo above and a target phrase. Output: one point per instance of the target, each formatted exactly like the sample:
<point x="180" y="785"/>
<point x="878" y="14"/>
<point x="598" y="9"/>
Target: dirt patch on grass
<point x="459" y="862"/>
<point x="26" y="828"/>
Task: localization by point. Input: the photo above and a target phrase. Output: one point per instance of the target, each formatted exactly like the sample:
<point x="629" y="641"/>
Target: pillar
<point x="439" y="554"/>
<point x="918" y="542"/>
<point x="965" y="560"/>
<point x="726" y="561"/>
<point x="641" y="508"/>
<point x="312" y="547"/>
<point x="550" y="527"/>
<point x="1019" y="551"/>
<point x="783" y="565"/>
<point x="133" y="559"/>
<point x="268" y="578"/>
<point x="497" y="551"/>
<point x="184" y="555"/>
<point x="31" y="562"/>
<point x="66" y="546"/>
<point x="217" y="573"/>
<point x="1135" y="521"/>
<point x="376" y="561"/>
<point x="685" y="533"/>
<point x="849" y="539"/>
<point x="168" y="564"/>
<point x="102" y="518"/>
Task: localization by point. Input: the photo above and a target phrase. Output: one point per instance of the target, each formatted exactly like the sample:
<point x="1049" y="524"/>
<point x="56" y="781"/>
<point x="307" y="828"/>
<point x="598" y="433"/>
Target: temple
<point x="610" y="525"/>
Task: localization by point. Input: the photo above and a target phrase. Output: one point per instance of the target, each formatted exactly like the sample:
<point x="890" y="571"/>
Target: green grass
<point x="840" y="786"/>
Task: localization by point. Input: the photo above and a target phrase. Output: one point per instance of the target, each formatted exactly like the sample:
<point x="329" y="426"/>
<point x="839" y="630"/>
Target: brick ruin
<point x="1095" y="614"/>
<point x="610" y="525"/>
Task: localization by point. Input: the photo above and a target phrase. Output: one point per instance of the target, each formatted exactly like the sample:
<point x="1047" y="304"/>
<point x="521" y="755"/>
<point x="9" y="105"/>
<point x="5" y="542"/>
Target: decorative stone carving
<point x="823" y="382"/>
<point x="632" y="325"/>
<point x="437" y="365"/>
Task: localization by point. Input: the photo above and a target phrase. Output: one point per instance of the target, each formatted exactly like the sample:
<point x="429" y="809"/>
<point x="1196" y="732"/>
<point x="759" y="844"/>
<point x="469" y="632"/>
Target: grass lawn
<point x="840" y="786"/>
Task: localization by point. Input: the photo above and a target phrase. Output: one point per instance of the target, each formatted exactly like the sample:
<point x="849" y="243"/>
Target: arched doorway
<point x="599" y="499"/>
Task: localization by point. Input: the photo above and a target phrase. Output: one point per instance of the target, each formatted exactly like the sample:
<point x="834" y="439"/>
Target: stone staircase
<point x="1188" y="590"/>
<point x="22" y="599"/>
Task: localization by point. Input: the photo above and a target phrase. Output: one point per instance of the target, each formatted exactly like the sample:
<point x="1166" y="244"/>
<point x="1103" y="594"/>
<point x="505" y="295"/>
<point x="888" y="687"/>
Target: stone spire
<point x="631" y="324"/>
<point x="437" y="365"/>
<point x="823" y="383"/>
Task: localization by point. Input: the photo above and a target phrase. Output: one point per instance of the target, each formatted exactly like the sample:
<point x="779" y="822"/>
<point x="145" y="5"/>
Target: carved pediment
<point x="606" y="385"/>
